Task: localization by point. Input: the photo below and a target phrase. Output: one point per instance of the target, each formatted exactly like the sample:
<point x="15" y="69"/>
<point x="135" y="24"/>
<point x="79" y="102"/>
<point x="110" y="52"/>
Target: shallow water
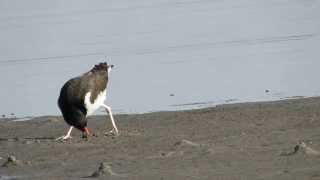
<point x="168" y="54"/>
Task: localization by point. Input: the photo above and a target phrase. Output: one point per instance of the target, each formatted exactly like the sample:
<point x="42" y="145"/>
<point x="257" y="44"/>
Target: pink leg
<point x="115" y="129"/>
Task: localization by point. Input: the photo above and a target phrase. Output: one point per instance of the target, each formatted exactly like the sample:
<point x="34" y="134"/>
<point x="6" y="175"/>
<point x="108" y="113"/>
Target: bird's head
<point x="102" y="67"/>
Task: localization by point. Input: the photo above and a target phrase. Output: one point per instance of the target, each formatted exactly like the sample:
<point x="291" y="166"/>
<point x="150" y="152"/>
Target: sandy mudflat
<point x="240" y="141"/>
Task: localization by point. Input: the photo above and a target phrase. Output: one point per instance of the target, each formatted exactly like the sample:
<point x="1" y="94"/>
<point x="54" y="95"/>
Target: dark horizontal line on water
<point x="232" y="57"/>
<point x="46" y="59"/>
<point x="275" y="39"/>
<point x="193" y="104"/>
<point x="206" y="45"/>
<point x="265" y="40"/>
<point x="205" y="103"/>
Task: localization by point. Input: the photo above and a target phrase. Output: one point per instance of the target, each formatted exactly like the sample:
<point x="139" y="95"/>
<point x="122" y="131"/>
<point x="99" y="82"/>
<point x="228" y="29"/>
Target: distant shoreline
<point x="227" y="102"/>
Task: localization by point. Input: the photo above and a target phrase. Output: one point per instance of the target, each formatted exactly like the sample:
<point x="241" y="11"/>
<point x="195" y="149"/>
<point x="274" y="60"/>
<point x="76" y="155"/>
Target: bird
<point x="81" y="96"/>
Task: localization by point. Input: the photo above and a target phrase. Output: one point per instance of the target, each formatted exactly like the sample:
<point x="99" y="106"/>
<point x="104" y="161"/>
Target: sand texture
<point x="267" y="140"/>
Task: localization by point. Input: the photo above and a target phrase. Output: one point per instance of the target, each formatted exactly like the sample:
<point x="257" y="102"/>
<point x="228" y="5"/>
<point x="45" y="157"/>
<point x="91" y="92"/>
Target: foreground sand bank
<point x="268" y="140"/>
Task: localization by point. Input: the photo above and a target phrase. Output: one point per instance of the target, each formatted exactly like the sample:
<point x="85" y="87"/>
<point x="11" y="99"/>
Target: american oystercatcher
<point x="82" y="96"/>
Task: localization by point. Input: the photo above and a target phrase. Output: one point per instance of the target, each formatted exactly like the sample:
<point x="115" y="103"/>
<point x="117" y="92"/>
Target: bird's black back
<point x="72" y="105"/>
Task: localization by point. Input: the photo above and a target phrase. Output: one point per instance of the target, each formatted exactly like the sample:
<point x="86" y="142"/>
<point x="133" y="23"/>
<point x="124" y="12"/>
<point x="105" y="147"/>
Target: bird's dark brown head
<point x="102" y="67"/>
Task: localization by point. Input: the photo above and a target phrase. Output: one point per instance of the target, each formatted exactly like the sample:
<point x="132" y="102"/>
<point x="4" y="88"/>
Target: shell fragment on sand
<point x="302" y="146"/>
<point x="308" y="150"/>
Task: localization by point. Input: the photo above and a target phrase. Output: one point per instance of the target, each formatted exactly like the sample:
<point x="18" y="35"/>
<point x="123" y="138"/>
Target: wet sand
<point x="266" y="140"/>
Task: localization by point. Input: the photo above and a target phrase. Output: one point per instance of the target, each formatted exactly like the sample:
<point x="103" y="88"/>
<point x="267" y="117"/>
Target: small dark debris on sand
<point x="105" y="170"/>
<point x="12" y="161"/>
<point x="188" y="143"/>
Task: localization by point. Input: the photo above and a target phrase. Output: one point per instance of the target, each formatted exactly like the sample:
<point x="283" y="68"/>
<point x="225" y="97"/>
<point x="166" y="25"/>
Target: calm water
<point x="168" y="54"/>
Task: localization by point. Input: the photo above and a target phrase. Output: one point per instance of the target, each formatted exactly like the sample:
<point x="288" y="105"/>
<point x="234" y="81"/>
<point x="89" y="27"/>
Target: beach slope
<point x="265" y="140"/>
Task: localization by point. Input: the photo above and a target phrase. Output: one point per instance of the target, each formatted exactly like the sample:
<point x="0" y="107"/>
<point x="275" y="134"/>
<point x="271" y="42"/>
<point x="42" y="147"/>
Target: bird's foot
<point x="63" y="138"/>
<point x="113" y="132"/>
<point x="87" y="133"/>
<point x="85" y="136"/>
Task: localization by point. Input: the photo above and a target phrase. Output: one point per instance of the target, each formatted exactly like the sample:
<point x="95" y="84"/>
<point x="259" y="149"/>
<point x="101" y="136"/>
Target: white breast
<point x="92" y="107"/>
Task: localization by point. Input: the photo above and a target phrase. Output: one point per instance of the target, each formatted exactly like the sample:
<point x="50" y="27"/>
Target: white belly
<point x="92" y="107"/>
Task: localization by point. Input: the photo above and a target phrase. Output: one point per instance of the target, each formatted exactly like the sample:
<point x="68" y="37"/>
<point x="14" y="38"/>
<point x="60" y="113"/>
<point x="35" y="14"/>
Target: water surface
<point x="168" y="54"/>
